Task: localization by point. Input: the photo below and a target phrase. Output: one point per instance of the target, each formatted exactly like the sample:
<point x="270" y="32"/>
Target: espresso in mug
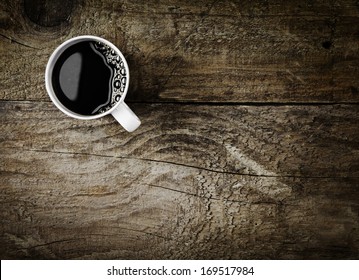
<point x="89" y="78"/>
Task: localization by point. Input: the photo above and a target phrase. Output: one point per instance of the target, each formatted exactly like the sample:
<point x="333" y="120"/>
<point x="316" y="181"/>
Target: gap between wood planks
<point x="216" y="103"/>
<point x="247" y="103"/>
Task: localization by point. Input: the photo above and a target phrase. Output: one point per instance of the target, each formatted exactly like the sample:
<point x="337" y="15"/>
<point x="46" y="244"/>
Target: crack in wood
<point x="188" y="165"/>
<point x="241" y="202"/>
<point x="12" y="40"/>
<point x="51" y="243"/>
<point x="145" y="232"/>
<point x="183" y="192"/>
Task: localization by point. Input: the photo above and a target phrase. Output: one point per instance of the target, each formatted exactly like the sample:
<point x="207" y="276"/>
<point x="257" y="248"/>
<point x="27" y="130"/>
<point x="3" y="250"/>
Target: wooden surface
<point x="249" y="144"/>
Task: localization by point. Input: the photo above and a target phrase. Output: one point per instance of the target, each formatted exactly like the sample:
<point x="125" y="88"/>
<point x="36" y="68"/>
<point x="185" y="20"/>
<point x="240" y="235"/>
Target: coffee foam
<point x="119" y="79"/>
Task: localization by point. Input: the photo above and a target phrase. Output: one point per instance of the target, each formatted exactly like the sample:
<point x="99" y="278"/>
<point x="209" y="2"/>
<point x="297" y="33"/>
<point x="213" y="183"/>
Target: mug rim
<point x="51" y="63"/>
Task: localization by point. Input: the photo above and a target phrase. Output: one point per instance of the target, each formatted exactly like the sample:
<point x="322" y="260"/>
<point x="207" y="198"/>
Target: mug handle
<point x="126" y="117"/>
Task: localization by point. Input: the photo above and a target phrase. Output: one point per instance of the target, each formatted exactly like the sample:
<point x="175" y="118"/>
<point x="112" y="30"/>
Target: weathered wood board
<point x="249" y="144"/>
<point x="203" y="51"/>
<point x="203" y="182"/>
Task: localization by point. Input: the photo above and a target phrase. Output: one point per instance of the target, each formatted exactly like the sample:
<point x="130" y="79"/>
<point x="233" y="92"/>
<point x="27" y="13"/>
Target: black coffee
<point x="89" y="78"/>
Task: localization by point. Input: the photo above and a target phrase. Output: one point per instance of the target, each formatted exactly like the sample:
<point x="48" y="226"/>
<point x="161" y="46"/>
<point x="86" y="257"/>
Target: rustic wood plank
<point x="306" y="141"/>
<point x="201" y="182"/>
<point x="77" y="206"/>
<point x="197" y="51"/>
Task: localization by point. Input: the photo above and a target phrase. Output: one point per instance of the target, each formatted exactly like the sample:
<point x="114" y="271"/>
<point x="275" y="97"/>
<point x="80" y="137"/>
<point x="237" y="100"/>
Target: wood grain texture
<point x="203" y="51"/>
<point x="258" y="182"/>
<point x="248" y="148"/>
<point x="310" y="141"/>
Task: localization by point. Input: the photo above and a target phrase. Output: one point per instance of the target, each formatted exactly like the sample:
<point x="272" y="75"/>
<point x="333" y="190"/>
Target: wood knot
<point x="327" y="45"/>
<point x="48" y="13"/>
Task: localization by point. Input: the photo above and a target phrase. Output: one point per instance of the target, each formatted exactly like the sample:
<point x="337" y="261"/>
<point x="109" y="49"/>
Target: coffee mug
<point x="87" y="77"/>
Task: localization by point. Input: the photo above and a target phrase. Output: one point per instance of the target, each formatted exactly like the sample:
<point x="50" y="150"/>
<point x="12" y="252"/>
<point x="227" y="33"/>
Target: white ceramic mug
<point x="121" y="112"/>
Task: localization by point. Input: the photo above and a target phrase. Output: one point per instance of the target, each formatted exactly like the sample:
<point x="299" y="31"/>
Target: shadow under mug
<point x="118" y="108"/>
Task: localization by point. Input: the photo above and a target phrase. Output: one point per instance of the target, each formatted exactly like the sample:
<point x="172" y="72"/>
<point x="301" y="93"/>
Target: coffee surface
<point x="86" y="77"/>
